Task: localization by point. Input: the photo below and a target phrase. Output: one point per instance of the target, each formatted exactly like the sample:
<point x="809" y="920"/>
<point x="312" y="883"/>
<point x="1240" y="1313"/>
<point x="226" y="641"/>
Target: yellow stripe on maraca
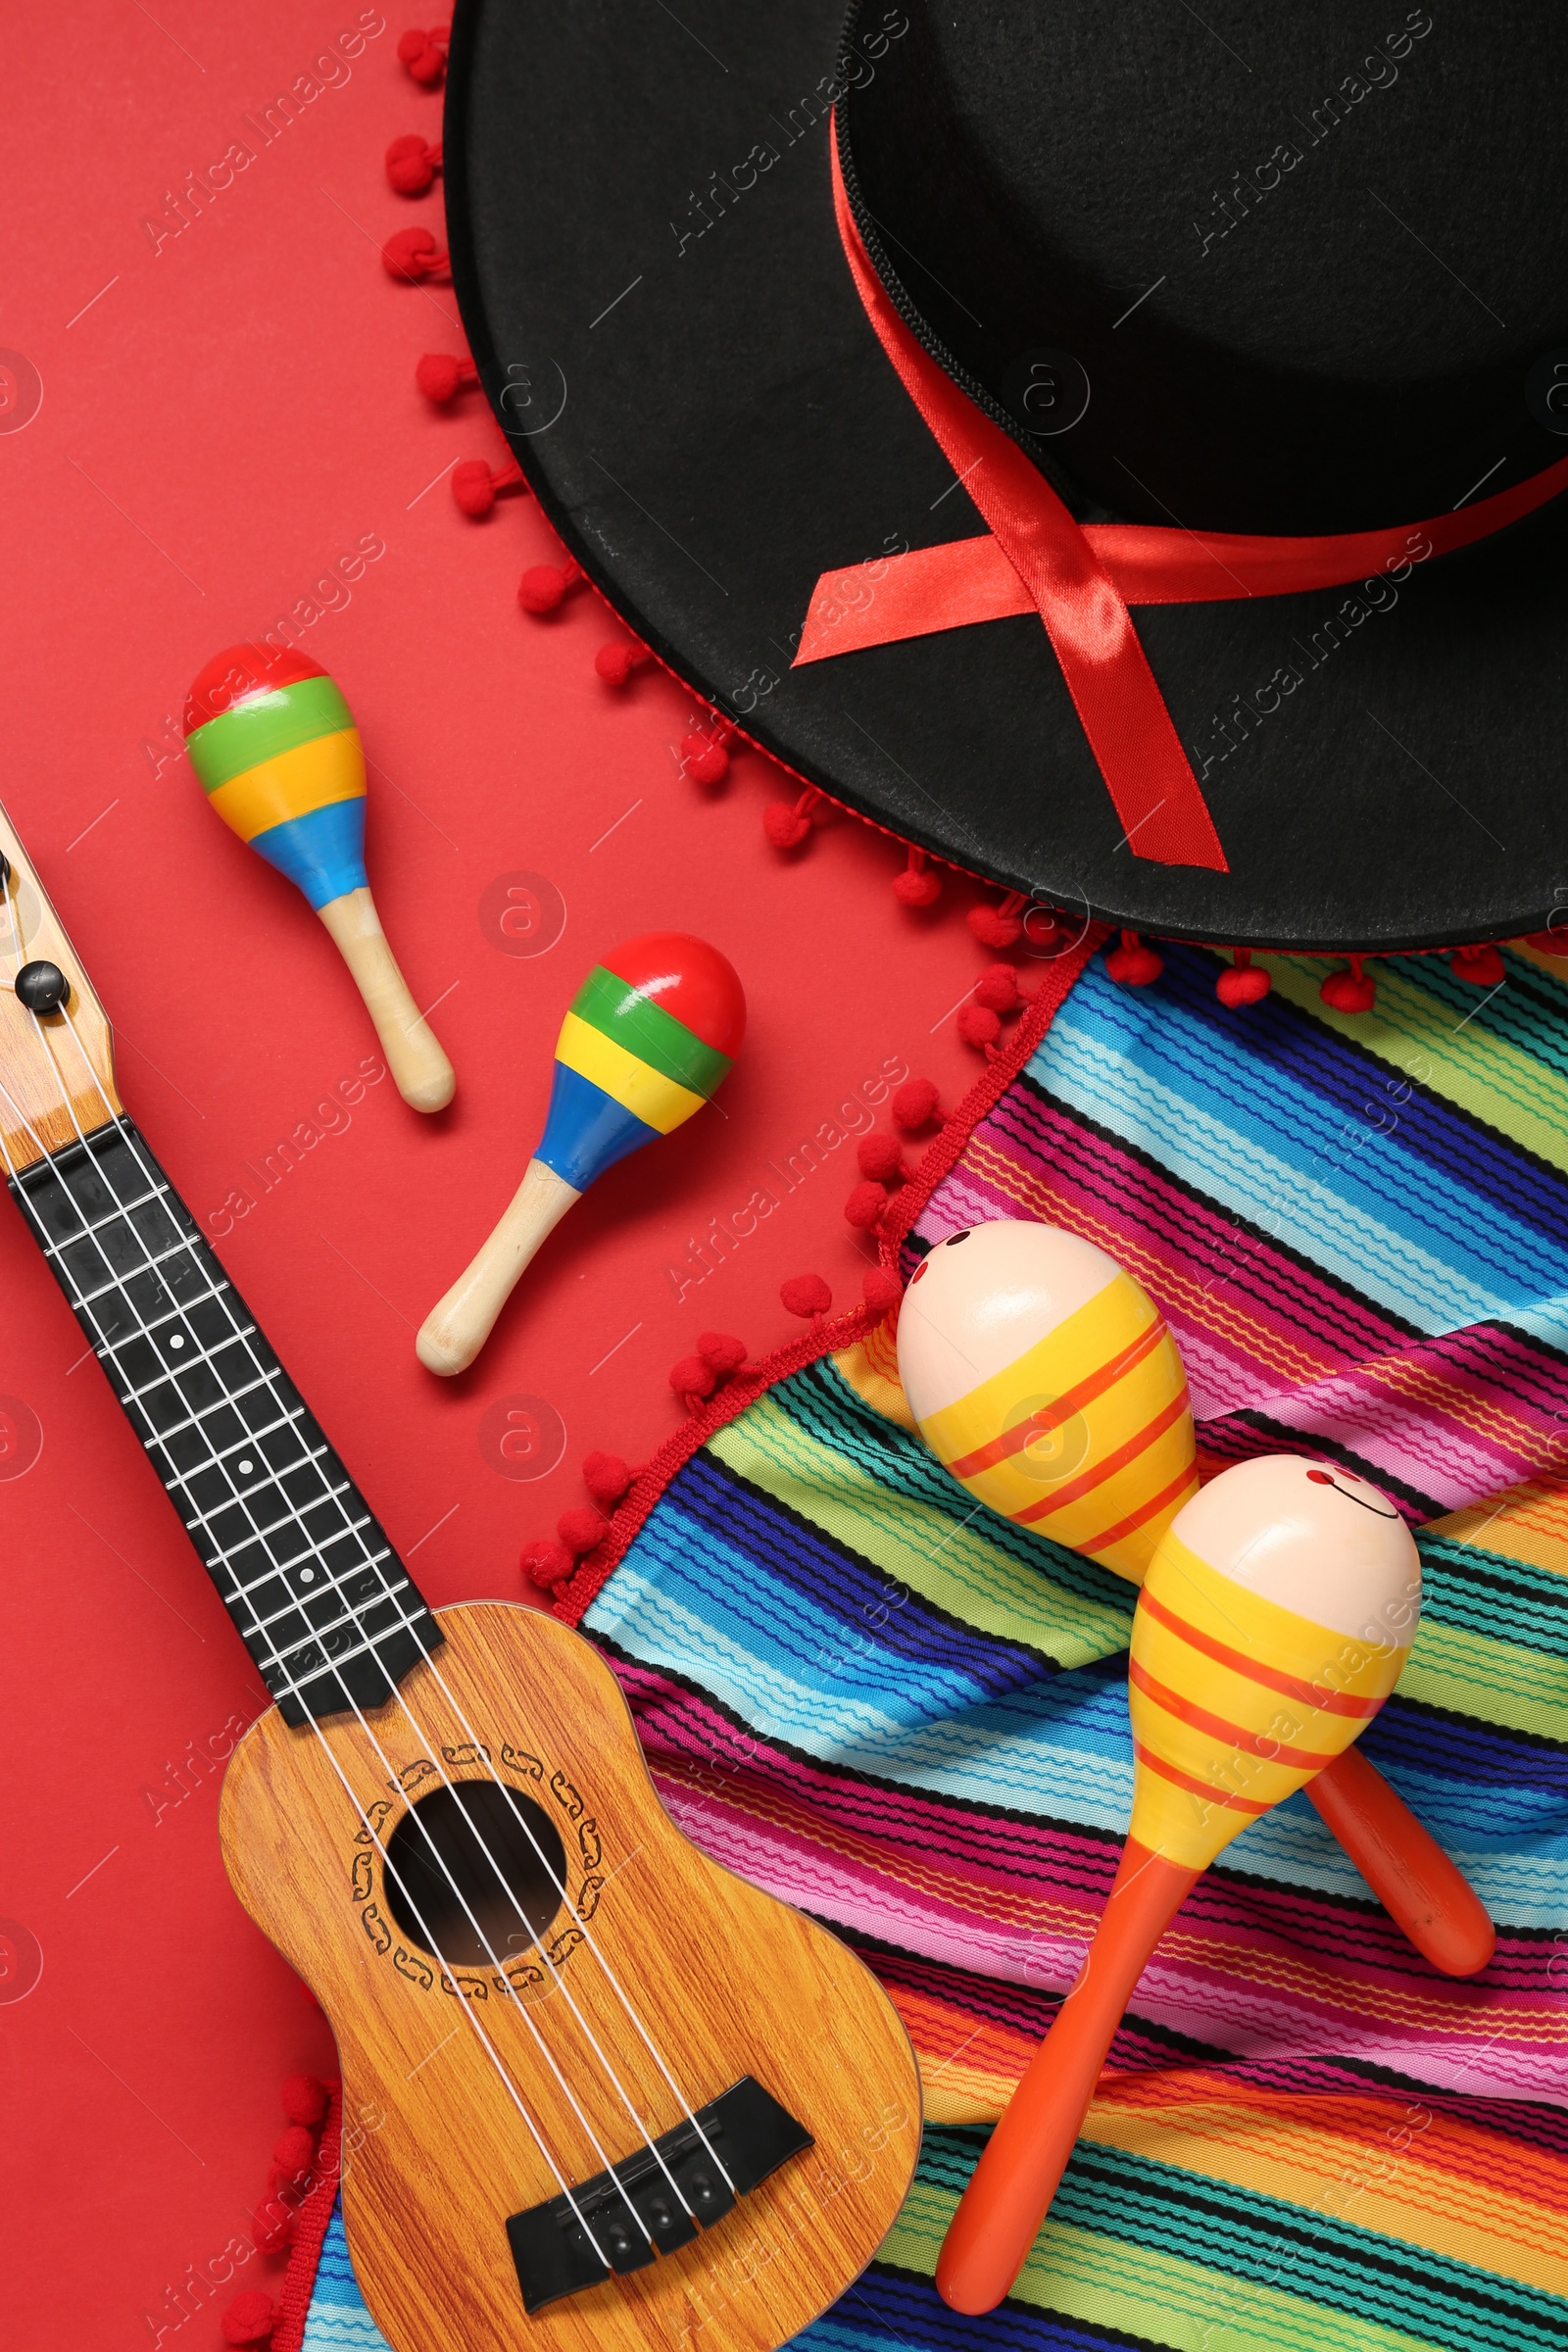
<point x="293" y="783"/>
<point x="1087" y="1436"/>
<point x="660" y="1102"/>
<point x="1236" y="1702"/>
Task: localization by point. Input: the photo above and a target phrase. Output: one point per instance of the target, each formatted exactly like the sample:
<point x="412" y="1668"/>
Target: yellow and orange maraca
<point x="1276" y="1609"/>
<point x="277" y="751"/>
<point x="1275" y="1615"/>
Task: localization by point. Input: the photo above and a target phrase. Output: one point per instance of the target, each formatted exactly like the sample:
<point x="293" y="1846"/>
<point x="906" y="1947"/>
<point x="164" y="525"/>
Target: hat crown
<point x="1304" y="269"/>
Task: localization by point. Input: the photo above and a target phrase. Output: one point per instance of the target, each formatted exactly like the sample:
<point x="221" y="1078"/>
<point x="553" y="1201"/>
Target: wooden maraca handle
<point x="1423" y="1892"/>
<point x="420" y="1071"/>
<point x="1010" y="2192"/>
<point x="457" y="1326"/>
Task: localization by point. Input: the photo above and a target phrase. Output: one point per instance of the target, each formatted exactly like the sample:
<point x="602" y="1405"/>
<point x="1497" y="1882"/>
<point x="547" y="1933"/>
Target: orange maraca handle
<point x="1010" y="2194"/>
<point x="1423" y="1892"/>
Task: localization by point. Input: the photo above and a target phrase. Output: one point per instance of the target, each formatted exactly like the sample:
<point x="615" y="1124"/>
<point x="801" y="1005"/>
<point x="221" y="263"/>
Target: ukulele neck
<point x="329" y="1614"/>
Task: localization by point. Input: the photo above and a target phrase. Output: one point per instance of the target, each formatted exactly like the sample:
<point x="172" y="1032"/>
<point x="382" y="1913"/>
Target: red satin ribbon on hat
<point x="1081" y="579"/>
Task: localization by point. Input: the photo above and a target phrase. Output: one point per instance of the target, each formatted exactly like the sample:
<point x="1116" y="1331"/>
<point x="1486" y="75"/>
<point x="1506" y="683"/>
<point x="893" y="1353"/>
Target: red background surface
<point x="221" y="418"/>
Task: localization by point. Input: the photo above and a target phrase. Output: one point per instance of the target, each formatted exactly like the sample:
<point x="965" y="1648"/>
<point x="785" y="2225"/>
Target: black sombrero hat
<point x="1231" y="346"/>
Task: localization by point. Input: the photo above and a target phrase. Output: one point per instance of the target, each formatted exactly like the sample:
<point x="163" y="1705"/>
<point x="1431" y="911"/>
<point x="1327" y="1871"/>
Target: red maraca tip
<point x="688" y="979"/>
<point x="239" y="671"/>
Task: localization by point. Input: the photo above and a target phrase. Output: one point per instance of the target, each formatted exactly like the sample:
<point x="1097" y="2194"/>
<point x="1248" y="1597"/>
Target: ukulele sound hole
<point x="461" y="1872"/>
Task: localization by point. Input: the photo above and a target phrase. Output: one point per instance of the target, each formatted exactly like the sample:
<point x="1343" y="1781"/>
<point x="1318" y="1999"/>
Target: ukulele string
<point x="563" y="1891"/>
<point x="292" y="1689"/>
<point x="183" y="1241"/>
<point x="116" y="1281"/>
<point x="422" y="1737"/>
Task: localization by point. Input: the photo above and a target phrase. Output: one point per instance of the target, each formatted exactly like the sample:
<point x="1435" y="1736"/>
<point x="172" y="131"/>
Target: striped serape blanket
<point x="911" y="1719"/>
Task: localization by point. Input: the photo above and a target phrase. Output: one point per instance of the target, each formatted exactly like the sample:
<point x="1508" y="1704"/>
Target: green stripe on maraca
<point x="263" y="725"/>
<point x="618" y="1011"/>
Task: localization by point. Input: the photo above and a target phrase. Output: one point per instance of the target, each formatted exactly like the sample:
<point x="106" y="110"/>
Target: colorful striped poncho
<point x="911" y="1719"/>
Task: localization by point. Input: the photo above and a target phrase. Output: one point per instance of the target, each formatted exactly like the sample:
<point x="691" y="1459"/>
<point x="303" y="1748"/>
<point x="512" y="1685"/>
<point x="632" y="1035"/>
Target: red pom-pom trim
<point x="999" y="926"/>
<point x="424" y="54"/>
<point x="721" y="1351"/>
<point x="543" y="585"/>
<point x="250" y="2319"/>
<point x="691" y="1377"/>
<point x="705" y="758"/>
<point x="442" y="374"/>
<point x="581" y="1528"/>
<point x="477" y="486"/>
<point x="273" y="2227"/>
<point x="607" y="1478"/>
<point x="616" y="662"/>
<point x="305" y="2100"/>
<point x="1353" y="991"/>
<point x="1242" y="982"/>
<point x="293" y="2155"/>
<point x="1478" y="968"/>
<point x="545" y="1563"/>
<point x="412" y="254"/>
<point x="915" y="1105"/>
<point x="881" y="1290"/>
<point x="979" y="1026"/>
<point x="864" y="1206"/>
<point x="1547" y="942"/>
<point x="1133" y="965"/>
<point x="805" y="1294"/>
<point x="919" y="884"/>
<point x="412" y="163"/>
<point x="998" y="990"/>
<point x="881" y="1158"/>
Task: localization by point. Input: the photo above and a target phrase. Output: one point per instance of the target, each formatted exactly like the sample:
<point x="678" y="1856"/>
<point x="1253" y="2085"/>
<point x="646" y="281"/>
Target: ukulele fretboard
<point x="326" y="1609"/>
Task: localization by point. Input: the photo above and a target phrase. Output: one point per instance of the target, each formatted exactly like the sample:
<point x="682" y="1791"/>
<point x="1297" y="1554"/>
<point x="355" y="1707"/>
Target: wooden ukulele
<point x="628" y="2100"/>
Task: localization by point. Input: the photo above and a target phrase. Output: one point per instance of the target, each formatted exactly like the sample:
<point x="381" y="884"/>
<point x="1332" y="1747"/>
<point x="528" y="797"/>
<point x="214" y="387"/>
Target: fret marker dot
<point x="177" y="1340"/>
<point x="246" y="1468"/>
<point x="306" y="1574"/>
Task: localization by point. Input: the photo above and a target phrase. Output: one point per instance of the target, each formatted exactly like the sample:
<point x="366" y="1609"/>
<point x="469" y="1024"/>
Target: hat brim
<point x="710" y="424"/>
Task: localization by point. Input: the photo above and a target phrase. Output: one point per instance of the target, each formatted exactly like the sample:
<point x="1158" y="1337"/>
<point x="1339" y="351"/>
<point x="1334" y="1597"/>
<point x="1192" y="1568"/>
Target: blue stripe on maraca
<point x="587" y="1131"/>
<point x="321" y="853"/>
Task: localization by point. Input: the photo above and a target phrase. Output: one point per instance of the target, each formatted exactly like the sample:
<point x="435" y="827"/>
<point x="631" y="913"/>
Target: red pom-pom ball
<point x="997" y="988"/>
<point x="805" y="1294"/>
<point x="412" y="254"/>
<point x="273" y="2227"/>
<point x="305" y="2100"/>
<point x="881" y="1290"/>
<point x="994" y="929"/>
<point x="543" y="585"/>
<point x="1134" y="965"/>
<point x="691" y="1377"/>
<point x="978" y="1025"/>
<point x="915" y="1104"/>
<point x="881" y="1158"/>
<point x="1478" y="968"/>
<point x="616" y="662"/>
<point x="721" y="1351"/>
<point x="581" y="1528"/>
<point x="250" y="2319"/>
<point x="707" y="762"/>
<point x="607" y="1478"/>
<point x="1348" y="992"/>
<point x="545" y="1563"/>
<point x="865" y="1206"/>
<point x="1242" y="984"/>
<point x="412" y="163"/>
<point x="917" y="886"/>
<point x="785" y="825"/>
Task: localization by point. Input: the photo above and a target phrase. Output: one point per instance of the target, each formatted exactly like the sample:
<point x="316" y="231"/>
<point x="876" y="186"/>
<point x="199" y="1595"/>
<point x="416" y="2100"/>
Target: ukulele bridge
<point x="651" y="2202"/>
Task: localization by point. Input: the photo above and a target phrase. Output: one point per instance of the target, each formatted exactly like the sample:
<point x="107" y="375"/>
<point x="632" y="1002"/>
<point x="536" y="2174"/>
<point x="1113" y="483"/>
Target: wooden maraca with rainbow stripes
<point x="1045" y="1379"/>
<point x="1275" y="1613"/>
<point x="277" y="751"/>
<point x="647" y="1040"/>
